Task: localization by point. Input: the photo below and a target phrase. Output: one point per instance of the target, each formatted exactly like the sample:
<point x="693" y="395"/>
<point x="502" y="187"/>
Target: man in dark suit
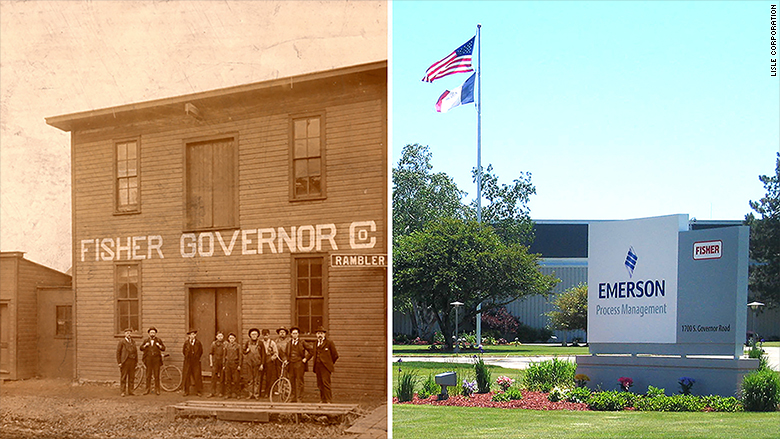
<point x="325" y="357"/>
<point x="298" y="353"/>
<point x="126" y="359"/>
<point x="152" y="348"/>
<point x="192" y="351"/>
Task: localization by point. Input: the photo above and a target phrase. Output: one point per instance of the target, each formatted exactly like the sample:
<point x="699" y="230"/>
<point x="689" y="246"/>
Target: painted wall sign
<point x="358" y="260"/>
<point x="632" y="280"/>
<point x="707" y="250"/>
<point x="295" y="239"/>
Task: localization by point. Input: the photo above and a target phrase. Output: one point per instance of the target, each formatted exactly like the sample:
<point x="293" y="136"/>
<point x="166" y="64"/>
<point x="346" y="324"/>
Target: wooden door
<point x="5" y="333"/>
<point x="212" y="310"/>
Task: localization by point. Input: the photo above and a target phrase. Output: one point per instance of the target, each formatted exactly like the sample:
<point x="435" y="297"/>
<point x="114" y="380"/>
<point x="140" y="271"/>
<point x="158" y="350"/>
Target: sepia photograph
<point x="194" y="219"/>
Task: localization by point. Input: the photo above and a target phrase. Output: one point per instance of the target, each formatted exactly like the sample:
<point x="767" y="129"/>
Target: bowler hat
<point x="282" y="329"/>
<point x="266" y="332"/>
<point x="191" y="331"/>
<point x="253" y="330"/>
<point x="320" y="329"/>
<point x="293" y="328"/>
<point x="128" y="330"/>
<point x="151" y="329"/>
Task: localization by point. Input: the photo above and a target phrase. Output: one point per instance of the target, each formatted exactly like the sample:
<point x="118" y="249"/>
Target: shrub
<point x="558" y="394"/>
<point x="469" y="387"/>
<point x="482" y="373"/>
<point x="607" y="401"/>
<point x="514" y="394"/>
<point x="757" y="351"/>
<point x="761" y="391"/>
<point x="723" y="404"/>
<point x="527" y="334"/>
<point x="581" y="380"/>
<point x="653" y="392"/>
<point x="579" y="394"/>
<point x="500" y="321"/>
<point x="504" y="382"/>
<point x="545" y="375"/>
<point x="429" y="387"/>
<point x="674" y="403"/>
<point x="500" y="397"/>
<point x="685" y="385"/>
<point x="405" y="387"/>
<point x="625" y="383"/>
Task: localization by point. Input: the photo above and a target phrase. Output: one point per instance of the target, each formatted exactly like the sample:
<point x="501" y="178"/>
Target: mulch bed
<point x="530" y="401"/>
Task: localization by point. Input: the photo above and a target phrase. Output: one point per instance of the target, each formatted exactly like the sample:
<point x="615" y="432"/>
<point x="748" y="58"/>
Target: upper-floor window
<point x="127" y="183"/>
<point x="307" y="158"/>
<point x="211" y="184"/>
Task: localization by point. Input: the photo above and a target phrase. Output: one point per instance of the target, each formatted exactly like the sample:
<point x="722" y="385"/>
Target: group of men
<point x="264" y="359"/>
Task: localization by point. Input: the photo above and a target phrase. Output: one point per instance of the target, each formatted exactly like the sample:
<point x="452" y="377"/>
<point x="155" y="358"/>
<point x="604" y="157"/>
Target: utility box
<point x="446" y="379"/>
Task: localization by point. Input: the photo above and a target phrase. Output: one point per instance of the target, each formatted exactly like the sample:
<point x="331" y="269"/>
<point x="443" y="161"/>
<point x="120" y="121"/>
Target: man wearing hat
<point x="298" y="354"/>
<point x="325" y="357"/>
<point x="126" y="359"/>
<point x="192" y="351"/>
<point x="269" y="366"/>
<point x="152" y="348"/>
<point x="282" y="345"/>
<point x="254" y="357"/>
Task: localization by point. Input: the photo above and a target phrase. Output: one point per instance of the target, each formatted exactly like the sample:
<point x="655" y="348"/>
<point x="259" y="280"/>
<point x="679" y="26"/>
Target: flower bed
<point x="530" y="401"/>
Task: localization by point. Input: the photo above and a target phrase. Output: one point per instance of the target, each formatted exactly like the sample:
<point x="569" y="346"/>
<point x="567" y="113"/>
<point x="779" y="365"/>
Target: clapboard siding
<point x="20" y="281"/>
<point x="355" y="147"/>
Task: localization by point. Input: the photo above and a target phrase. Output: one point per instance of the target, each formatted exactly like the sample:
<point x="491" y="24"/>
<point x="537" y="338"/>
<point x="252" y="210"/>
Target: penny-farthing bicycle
<point x="281" y="389"/>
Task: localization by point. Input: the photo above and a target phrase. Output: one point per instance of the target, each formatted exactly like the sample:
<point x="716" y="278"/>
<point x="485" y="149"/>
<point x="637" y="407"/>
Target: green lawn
<point x="424" y="421"/>
<point x="523" y="350"/>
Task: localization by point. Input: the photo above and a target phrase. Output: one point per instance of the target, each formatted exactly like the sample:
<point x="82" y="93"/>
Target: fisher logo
<point x="631" y="259"/>
<point x="707" y="250"/>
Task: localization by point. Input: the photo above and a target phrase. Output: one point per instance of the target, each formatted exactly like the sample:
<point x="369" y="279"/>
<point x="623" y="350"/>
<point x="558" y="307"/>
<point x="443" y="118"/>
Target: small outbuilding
<point x="36" y="320"/>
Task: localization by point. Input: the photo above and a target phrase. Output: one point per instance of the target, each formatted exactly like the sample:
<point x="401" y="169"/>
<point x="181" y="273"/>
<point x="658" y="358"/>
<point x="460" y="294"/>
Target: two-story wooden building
<point x="262" y="205"/>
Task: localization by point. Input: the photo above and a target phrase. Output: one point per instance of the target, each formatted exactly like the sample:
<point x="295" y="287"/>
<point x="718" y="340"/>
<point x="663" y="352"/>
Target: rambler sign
<point x="295" y="239"/>
<point x="358" y="260"/>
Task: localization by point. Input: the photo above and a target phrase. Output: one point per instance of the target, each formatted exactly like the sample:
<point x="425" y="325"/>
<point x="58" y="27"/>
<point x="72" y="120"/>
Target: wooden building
<point x="36" y="320"/>
<point x="224" y="210"/>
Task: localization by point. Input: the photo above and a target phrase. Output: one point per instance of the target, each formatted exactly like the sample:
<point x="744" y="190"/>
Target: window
<point x="308" y="170"/>
<point x="64" y="321"/>
<point x="127" y="176"/>
<point x="309" y="294"/>
<point x="212" y="195"/>
<point x="128" y="279"/>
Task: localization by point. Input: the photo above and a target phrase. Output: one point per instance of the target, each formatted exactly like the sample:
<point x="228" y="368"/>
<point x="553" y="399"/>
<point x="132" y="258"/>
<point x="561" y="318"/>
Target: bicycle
<point x="281" y="390"/>
<point x="170" y="376"/>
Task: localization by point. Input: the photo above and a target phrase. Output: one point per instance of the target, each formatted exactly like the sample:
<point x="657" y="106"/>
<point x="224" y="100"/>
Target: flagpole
<point x="479" y="159"/>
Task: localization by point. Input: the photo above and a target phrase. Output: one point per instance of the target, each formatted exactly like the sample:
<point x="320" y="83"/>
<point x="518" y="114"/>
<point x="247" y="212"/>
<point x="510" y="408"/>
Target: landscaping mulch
<point x="530" y="401"/>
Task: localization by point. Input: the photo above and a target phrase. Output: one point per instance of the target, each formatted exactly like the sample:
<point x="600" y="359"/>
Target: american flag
<point x="458" y="61"/>
<point x="631" y="259"/>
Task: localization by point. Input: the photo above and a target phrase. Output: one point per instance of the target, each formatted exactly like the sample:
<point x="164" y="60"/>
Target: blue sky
<point x="619" y="109"/>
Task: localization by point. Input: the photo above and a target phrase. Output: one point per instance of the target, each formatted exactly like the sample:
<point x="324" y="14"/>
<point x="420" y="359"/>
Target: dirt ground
<point x="49" y="408"/>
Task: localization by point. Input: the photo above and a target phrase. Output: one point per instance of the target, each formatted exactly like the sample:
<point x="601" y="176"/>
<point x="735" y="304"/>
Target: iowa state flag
<point x="456" y="97"/>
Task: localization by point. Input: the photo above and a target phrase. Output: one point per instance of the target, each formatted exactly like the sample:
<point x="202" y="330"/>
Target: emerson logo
<point x="632" y="289"/>
<point x="631" y="259"/>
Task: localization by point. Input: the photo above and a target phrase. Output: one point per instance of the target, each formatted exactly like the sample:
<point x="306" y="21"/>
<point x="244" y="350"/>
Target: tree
<point x="421" y="196"/>
<point x="764" y="280"/>
<point x="453" y="259"/>
<point x="507" y="210"/>
<point x="572" y="310"/>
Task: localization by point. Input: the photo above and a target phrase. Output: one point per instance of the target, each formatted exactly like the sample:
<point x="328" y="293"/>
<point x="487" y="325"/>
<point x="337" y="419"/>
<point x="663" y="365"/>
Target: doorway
<point x="211" y="310"/>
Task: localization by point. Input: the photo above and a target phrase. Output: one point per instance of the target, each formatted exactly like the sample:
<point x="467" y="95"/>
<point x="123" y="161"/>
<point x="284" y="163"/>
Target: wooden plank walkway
<point x="371" y="426"/>
<point x="255" y="411"/>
